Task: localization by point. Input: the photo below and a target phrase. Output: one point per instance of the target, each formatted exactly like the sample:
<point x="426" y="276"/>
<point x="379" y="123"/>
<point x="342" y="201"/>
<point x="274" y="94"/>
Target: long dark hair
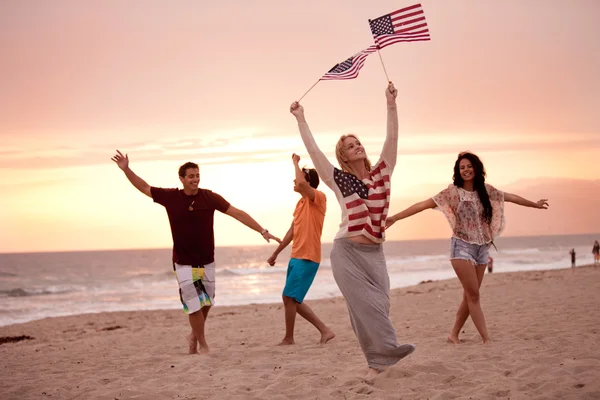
<point x="478" y="182"/>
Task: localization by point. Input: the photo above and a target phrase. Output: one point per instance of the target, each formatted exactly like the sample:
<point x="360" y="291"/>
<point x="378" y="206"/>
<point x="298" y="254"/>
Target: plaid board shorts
<point x="196" y="286"/>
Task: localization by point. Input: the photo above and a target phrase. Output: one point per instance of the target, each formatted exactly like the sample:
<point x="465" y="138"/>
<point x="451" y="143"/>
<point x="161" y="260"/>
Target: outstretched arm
<point x="390" y="146"/>
<point x="513" y="198"/>
<point x="287" y="239"/>
<point x="123" y="162"/>
<point x="412" y="210"/>
<point x="322" y="165"/>
<point x="247" y="220"/>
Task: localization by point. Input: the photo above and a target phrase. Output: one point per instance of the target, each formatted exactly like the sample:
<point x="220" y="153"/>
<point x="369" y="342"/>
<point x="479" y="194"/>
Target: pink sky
<point x="517" y="82"/>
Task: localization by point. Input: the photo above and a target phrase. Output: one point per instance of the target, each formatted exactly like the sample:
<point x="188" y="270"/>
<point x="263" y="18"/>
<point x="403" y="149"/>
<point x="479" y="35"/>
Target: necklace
<point x="191" y="207"/>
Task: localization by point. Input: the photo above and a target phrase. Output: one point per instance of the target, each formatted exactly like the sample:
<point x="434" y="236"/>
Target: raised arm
<point x="513" y="198"/>
<point x="390" y="146"/>
<point x="287" y="239"/>
<point x="247" y="220"/>
<point x="305" y="189"/>
<point x="123" y="162"/>
<point x="322" y="165"/>
<point x="412" y="210"/>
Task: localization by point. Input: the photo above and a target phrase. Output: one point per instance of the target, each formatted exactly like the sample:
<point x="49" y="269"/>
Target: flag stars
<point x="382" y="26"/>
<point x="349" y="184"/>
<point x="346" y="65"/>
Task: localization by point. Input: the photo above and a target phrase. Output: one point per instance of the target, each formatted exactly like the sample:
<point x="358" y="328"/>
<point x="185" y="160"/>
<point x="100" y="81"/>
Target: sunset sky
<point x="168" y="82"/>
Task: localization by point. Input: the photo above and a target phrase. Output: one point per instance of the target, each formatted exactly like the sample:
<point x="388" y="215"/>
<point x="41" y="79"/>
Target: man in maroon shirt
<point x="191" y="212"/>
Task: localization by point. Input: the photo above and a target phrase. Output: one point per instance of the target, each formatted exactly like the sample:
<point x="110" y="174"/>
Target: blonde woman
<point x="357" y="259"/>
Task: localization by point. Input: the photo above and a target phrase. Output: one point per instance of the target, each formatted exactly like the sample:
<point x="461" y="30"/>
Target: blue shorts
<point x="300" y="275"/>
<point x="478" y="254"/>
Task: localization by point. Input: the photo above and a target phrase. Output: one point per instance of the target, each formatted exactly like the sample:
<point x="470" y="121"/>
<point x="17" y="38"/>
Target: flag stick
<point x="383" y="65"/>
<point x="308" y="90"/>
<point x="378" y="53"/>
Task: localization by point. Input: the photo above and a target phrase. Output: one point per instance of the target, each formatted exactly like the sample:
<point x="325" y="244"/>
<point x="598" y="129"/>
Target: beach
<point x="544" y="325"/>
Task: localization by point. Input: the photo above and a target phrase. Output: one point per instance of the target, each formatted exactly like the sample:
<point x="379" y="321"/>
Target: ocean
<point x="40" y="285"/>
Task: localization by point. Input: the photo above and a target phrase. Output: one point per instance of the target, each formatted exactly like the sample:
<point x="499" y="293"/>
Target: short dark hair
<point x="311" y="176"/>
<point x="187" y="166"/>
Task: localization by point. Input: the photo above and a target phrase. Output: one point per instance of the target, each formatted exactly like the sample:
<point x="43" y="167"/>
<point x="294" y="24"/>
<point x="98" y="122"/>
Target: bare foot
<point x="487" y="341"/>
<point x="371" y="375"/>
<point x="192" y="343"/>
<point x="286" y="342"/>
<point x="453" y="339"/>
<point x="203" y="350"/>
<point x="327" y="336"/>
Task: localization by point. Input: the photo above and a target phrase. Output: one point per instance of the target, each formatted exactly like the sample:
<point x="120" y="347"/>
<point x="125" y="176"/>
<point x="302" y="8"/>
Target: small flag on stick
<point x="349" y="68"/>
<point x="405" y="25"/>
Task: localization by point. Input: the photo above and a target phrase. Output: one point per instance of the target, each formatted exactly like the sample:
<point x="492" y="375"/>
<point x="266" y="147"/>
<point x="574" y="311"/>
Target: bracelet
<point x="264" y="231"/>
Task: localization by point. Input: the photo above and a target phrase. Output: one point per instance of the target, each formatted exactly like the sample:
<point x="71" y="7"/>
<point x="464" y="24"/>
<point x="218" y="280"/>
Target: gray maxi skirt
<point x="361" y="274"/>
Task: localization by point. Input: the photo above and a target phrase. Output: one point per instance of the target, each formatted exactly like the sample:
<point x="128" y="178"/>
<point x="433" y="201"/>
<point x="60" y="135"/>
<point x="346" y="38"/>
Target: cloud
<point x="239" y="147"/>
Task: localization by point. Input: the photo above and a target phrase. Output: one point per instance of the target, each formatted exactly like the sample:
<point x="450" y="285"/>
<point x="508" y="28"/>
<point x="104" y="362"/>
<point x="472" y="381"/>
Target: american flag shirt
<point x="364" y="203"/>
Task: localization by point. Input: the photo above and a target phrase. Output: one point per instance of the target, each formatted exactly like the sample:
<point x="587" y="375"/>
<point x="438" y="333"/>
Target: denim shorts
<point x="478" y="254"/>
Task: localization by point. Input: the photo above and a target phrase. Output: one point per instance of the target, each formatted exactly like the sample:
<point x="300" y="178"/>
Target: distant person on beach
<point x="573" y="257"/>
<point x="357" y="259"/>
<point x="191" y="212"/>
<point x="490" y="265"/>
<point x="596" y="252"/>
<point x="305" y="232"/>
<point x="475" y="211"/>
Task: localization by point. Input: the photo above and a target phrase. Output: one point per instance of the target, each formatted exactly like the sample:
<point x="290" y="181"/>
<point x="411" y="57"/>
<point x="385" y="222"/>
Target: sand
<point x="545" y="328"/>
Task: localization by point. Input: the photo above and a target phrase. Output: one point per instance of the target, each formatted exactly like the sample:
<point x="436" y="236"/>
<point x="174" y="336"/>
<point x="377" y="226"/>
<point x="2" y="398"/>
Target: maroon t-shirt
<point x="192" y="229"/>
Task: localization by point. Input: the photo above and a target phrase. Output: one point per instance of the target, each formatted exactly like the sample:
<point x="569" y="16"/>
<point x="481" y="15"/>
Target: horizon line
<point x="267" y="244"/>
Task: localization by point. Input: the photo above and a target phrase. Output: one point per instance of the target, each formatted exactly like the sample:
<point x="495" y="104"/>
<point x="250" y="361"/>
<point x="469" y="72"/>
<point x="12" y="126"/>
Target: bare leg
<point x="465" y="271"/>
<point x="463" y="310"/>
<point x="197" y="322"/>
<point x="290" y="308"/>
<point x="205" y="311"/>
<point x="192" y="341"/>
<point x="461" y="317"/>
<point x="307" y="313"/>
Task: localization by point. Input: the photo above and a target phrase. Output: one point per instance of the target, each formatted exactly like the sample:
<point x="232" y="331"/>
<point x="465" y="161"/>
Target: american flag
<point x="349" y="68"/>
<point x="405" y="25"/>
<point x="367" y="205"/>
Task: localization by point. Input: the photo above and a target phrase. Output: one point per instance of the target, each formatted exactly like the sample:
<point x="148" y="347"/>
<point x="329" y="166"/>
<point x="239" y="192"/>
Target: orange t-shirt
<point x="308" y="226"/>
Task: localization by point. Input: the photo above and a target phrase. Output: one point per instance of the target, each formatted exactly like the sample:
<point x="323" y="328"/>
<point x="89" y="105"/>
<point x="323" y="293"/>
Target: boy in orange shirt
<point x="306" y="252"/>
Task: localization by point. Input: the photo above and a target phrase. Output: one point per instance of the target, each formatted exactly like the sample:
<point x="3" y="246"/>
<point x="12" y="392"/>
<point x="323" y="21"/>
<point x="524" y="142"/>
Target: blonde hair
<point x="340" y="154"/>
